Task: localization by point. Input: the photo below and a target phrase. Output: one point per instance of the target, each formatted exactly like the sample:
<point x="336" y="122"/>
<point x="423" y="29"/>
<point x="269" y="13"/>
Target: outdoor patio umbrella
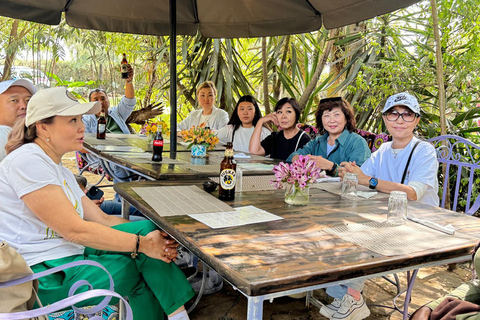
<point x="212" y="18"/>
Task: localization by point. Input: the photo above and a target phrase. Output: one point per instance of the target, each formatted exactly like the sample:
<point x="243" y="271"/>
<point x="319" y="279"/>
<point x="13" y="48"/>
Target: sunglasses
<point x="332" y="99"/>
<point x="407" y="116"/>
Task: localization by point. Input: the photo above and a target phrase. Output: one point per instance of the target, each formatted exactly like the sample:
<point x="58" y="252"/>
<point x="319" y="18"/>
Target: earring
<point x="48" y="139"/>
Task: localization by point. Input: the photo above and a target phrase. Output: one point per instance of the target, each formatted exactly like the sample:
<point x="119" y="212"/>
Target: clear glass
<point x="397" y="208"/>
<point x="296" y="195"/>
<point x="349" y="186"/>
<point x="239" y="179"/>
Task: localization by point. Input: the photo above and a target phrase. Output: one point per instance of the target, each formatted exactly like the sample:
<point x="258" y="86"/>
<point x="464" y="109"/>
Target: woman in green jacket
<point x="338" y="142"/>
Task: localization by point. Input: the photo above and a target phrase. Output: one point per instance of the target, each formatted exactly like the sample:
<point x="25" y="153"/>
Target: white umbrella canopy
<point x="213" y="18"/>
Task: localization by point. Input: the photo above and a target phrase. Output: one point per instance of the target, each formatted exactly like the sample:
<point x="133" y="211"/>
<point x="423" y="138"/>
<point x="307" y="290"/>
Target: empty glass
<point x="349" y="186"/>
<point x="397" y="208"/>
<point x="239" y="178"/>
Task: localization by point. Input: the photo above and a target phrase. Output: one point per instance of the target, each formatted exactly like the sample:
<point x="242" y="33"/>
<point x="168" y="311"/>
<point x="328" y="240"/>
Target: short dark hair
<point x="93" y="91"/>
<point x="235" y="119"/>
<point x="336" y="102"/>
<point x="81" y="180"/>
<point x="293" y="103"/>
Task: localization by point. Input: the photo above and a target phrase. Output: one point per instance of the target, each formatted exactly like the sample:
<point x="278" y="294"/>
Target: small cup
<point x="349" y="186"/>
<point x="397" y="208"/>
<point x="239" y="179"/>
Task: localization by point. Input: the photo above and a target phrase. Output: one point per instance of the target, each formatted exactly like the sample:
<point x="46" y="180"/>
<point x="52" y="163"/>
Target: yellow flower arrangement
<point x="200" y="135"/>
<point x="151" y="128"/>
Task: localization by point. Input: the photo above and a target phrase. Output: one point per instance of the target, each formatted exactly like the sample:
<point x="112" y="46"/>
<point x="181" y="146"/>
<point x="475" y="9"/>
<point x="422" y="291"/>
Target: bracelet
<point x="134" y="254"/>
<point x="332" y="171"/>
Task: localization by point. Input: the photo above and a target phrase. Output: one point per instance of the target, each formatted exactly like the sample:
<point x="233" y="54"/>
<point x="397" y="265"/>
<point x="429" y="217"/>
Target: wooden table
<point x="185" y="167"/>
<point x="273" y="259"/>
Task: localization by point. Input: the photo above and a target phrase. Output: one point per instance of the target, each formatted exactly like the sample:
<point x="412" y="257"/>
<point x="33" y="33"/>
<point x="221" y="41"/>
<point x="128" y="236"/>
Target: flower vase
<point x="150" y="137"/>
<point x="296" y="195"/>
<point x="199" y="151"/>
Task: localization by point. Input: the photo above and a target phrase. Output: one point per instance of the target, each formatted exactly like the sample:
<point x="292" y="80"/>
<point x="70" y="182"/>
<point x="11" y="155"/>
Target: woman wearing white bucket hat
<point x="49" y="220"/>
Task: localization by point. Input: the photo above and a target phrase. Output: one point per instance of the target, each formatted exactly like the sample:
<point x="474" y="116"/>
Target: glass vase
<point x="296" y="195"/>
<point x="199" y="151"/>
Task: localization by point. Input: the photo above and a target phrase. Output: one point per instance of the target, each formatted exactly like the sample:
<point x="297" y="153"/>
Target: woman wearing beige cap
<point x="49" y="220"/>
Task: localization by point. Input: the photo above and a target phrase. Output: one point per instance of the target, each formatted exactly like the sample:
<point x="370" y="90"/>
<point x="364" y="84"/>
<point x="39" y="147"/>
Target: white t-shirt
<point x="423" y="167"/>
<point x="4" y="131"/>
<point x="23" y="171"/>
<point x="241" y="140"/>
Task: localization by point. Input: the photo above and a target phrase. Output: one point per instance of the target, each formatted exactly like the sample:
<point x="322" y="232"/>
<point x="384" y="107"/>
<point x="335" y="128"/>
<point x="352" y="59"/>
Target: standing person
<point x="48" y="219"/>
<point x="242" y="124"/>
<point x="386" y="170"/>
<point x="338" y="142"/>
<point x="116" y="120"/>
<point x="212" y="116"/>
<point x="290" y="138"/>
<point x="14" y="96"/>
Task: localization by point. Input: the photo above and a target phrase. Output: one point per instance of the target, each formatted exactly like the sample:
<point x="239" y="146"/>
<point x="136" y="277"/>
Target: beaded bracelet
<point x="137" y="245"/>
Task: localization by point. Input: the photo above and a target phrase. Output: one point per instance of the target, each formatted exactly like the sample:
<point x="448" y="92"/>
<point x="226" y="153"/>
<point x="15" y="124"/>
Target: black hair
<point x="235" y="119"/>
<point x="293" y="103"/>
<point x="93" y="91"/>
<point x="336" y="102"/>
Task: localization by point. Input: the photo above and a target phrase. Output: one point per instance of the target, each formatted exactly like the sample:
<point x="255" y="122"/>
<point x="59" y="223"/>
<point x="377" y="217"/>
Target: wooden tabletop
<point x="292" y="253"/>
<point x="182" y="167"/>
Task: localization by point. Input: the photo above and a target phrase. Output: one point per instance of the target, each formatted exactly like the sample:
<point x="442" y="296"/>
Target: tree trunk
<point x="10" y="56"/>
<point x="318" y="70"/>
<point x="266" y="101"/>
<point x="276" y="88"/>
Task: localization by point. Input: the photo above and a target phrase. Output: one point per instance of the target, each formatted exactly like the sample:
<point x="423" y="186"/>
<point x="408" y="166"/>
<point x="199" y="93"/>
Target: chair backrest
<point x="461" y="158"/>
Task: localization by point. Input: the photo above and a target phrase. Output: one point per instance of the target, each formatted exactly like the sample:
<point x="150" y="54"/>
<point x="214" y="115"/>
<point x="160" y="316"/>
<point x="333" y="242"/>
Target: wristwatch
<point x="372" y="183"/>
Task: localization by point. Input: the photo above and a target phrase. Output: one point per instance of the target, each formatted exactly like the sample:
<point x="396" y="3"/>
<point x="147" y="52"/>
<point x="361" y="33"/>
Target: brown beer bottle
<point x="101" y="126"/>
<point x="124" y="67"/>
<point x="228" y="168"/>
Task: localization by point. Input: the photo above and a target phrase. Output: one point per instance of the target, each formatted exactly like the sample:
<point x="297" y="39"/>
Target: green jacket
<point x="348" y="147"/>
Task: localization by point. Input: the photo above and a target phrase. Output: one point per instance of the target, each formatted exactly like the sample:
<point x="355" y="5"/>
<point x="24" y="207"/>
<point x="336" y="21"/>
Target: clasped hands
<point x="160" y="245"/>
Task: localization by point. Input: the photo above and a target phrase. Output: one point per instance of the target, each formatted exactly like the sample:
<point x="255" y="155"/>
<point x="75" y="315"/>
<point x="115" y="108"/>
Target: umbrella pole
<point x="173" y="78"/>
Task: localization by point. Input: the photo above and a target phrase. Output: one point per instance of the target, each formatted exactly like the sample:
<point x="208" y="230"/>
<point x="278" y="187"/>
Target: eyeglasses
<point x="332" y="99"/>
<point x="407" y="116"/>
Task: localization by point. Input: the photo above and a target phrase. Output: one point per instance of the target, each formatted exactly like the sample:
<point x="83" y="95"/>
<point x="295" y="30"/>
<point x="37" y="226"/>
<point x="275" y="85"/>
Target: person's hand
<point x="99" y="202"/>
<point x="422" y="314"/>
<point x="321" y="162"/>
<point x="352" y="167"/>
<point x="158" y="245"/>
<point x="130" y="73"/>
<point x="271" y="117"/>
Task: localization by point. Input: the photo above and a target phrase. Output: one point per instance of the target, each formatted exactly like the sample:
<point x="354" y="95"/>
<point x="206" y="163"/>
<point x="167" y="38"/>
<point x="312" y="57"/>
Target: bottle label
<point x="101" y="128"/>
<point x="227" y="179"/>
<point x="124" y="68"/>
<point x="158" y="143"/>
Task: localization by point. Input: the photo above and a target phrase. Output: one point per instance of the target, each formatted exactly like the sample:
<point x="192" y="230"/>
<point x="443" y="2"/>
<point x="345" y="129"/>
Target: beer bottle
<point x="101" y="126"/>
<point x="158" y="145"/>
<point x="124" y="67"/>
<point x="228" y="167"/>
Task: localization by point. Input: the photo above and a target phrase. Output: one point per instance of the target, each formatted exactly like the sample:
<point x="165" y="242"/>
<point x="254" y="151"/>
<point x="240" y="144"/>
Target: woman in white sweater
<point x="242" y="123"/>
<point x="209" y="114"/>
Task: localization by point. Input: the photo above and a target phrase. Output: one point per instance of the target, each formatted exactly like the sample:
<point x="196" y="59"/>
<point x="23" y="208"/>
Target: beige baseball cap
<point x="58" y="101"/>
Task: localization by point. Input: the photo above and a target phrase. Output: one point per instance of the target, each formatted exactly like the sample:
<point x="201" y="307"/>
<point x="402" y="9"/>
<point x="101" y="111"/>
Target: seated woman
<point x="387" y="170"/>
<point x="48" y="219"/>
<point x="280" y="144"/>
<point x="338" y="142"/>
<point x="242" y="123"/>
<point x="209" y="114"/>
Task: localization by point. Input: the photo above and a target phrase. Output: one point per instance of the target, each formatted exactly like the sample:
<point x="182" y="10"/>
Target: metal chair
<point x="461" y="159"/>
<point x="84" y="165"/>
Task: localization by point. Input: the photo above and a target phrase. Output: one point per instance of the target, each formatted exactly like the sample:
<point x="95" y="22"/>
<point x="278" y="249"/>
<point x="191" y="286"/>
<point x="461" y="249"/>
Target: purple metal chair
<point x="462" y="160"/>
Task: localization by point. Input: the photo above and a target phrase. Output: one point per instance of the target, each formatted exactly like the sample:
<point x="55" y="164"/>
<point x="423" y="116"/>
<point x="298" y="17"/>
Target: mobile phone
<point x="94" y="193"/>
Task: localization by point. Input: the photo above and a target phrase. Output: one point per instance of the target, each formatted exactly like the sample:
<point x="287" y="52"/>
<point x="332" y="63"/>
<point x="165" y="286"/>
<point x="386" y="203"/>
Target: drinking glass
<point x="239" y="179"/>
<point x="349" y="186"/>
<point x="397" y="208"/>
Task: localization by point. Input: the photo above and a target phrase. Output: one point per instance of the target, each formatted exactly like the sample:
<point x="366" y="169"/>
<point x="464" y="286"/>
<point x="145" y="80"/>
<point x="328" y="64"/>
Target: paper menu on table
<point x="238" y="217"/>
<point x="118" y="148"/>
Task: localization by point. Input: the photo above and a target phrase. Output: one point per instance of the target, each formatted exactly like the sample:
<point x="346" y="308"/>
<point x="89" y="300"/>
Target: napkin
<point x="328" y="179"/>
<point x="241" y="156"/>
<point x="366" y="194"/>
<point x="448" y="229"/>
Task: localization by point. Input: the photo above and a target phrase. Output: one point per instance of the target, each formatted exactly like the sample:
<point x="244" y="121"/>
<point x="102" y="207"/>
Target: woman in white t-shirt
<point x="242" y="123"/>
<point x="212" y="116"/>
<point x="48" y="219"/>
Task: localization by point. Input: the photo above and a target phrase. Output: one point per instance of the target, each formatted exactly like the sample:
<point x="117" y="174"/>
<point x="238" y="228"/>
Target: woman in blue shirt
<point x="338" y="142"/>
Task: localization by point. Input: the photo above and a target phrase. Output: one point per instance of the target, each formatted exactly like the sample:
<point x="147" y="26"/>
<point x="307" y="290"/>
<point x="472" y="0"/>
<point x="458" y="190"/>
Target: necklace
<point x="395" y="152"/>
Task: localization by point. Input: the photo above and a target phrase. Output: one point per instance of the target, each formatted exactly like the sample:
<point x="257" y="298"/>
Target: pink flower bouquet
<point x="301" y="173"/>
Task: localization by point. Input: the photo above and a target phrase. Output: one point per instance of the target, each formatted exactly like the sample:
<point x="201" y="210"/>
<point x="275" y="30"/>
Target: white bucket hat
<point x="27" y="84"/>
<point x="402" y="99"/>
<point x="56" y="102"/>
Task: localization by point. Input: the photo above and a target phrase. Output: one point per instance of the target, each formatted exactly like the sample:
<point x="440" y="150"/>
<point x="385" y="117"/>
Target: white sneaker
<point x="351" y="309"/>
<point x="329" y="309"/>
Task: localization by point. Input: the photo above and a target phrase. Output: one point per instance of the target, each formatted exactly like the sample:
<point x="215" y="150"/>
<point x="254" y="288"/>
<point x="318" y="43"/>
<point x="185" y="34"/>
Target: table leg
<point x="255" y="308"/>
<point x="411" y="282"/>
<point x="125" y="209"/>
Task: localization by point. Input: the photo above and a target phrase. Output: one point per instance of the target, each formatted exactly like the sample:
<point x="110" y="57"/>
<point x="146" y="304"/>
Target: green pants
<point x="152" y="286"/>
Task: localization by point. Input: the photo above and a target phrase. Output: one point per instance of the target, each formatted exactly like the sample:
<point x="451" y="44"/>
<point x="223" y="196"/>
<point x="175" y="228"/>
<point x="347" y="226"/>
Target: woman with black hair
<point x="242" y="123"/>
<point x="280" y="144"/>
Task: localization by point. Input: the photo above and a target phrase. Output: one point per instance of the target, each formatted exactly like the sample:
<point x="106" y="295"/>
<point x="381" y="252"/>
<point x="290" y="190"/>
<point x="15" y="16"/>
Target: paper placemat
<point x="254" y="183"/>
<point x="389" y="240"/>
<point x="104" y="142"/>
<point x="181" y="200"/>
<point x="336" y="188"/>
<point x="248" y="166"/>
<point x="118" y="148"/>
<point x="205" y="168"/>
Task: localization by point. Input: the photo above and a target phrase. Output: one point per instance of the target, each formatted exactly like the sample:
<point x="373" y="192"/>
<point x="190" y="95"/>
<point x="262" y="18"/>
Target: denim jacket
<point x="348" y="147"/>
